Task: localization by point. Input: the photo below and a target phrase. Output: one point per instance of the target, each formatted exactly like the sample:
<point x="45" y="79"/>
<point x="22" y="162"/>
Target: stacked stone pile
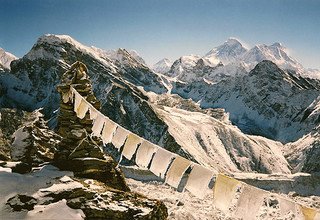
<point x="78" y="151"/>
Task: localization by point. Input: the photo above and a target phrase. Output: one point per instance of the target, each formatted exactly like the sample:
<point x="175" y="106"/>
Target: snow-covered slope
<point x="222" y="146"/>
<point x="5" y="59"/>
<point x="163" y="66"/>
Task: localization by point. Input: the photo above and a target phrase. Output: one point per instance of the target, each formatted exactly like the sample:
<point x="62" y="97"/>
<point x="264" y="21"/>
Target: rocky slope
<point x="303" y="154"/>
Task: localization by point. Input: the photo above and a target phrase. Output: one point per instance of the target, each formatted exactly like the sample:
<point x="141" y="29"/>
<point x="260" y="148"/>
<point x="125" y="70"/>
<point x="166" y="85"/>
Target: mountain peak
<point x="233" y="41"/>
<point x="267" y="68"/>
<point x="277" y="44"/>
<point x="54" y="38"/>
<point x="162" y="66"/>
<point x="228" y="52"/>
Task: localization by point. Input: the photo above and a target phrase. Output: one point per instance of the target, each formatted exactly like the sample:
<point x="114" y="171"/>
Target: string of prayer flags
<point x="145" y="153"/>
<point x="198" y="181"/>
<point x="98" y="125"/>
<point x="131" y="145"/>
<point x="119" y="137"/>
<point x="176" y="171"/>
<point x="161" y="161"/>
<point x="108" y="130"/>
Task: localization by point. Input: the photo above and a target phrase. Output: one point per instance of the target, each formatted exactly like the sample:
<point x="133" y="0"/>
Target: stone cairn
<point x="78" y="151"/>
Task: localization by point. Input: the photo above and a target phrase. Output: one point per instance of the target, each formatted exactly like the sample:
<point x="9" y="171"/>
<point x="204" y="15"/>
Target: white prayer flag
<point x="145" y="153"/>
<point x="93" y="112"/>
<point x="108" y="130"/>
<point x="77" y="100"/>
<point x="225" y="189"/>
<point x="176" y="171"/>
<point x="98" y="125"/>
<point x="119" y="137"/>
<point x="250" y="201"/>
<point x="308" y="213"/>
<point x="198" y="180"/>
<point x="131" y="145"/>
<point x="82" y="109"/>
<point x="286" y="206"/>
<point x="160" y="162"/>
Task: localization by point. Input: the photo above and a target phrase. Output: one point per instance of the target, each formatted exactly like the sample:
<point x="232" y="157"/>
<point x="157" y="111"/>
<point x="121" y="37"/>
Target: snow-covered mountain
<point x="5" y="59"/>
<point x="32" y="80"/>
<point x="163" y="66"/>
<point x="230" y="51"/>
<point x="117" y="55"/>
<point x="124" y="86"/>
<point x="233" y="58"/>
<point x="268" y="101"/>
<point x="275" y="53"/>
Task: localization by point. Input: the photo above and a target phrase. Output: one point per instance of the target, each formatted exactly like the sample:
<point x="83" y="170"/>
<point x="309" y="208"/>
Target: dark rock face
<point x="312" y="162"/>
<point x="22" y="202"/>
<point x="77" y="151"/>
<point x="10" y="120"/>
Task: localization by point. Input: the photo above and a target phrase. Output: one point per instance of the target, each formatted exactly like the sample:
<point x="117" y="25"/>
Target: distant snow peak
<point x="230" y="51"/>
<point x="6" y="58"/>
<point x="233" y="41"/>
<point x="163" y="66"/>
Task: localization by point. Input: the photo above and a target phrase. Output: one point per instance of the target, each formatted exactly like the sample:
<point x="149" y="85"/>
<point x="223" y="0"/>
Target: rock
<point x="22" y="168"/>
<point x="21" y="202"/>
<point x="34" y="143"/>
<point x="108" y="203"/>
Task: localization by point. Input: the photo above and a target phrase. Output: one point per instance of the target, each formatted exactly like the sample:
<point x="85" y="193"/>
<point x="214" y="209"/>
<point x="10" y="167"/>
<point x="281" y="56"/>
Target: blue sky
<point x="166" y="28"/>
